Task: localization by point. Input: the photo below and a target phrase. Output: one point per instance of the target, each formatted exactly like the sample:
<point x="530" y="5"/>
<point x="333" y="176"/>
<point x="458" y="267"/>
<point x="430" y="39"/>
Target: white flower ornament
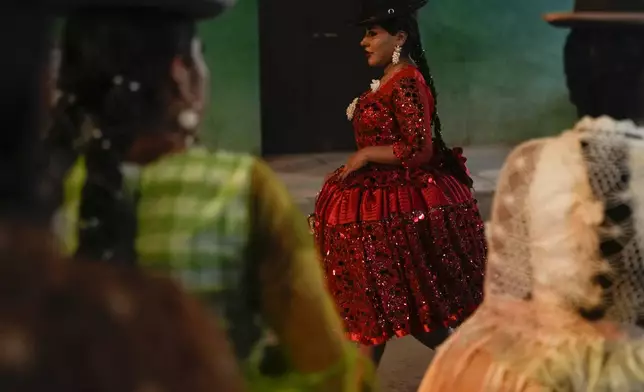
<point x="375" y="85"/>
<point x="352" y="108"/>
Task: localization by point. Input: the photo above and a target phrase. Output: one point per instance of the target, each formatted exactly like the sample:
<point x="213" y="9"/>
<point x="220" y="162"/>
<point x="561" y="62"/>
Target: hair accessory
<point x="135" y="86"/>
<point x="132" y="85"/>
<point x="188" y="119"/>
<point x="118" y="80"/>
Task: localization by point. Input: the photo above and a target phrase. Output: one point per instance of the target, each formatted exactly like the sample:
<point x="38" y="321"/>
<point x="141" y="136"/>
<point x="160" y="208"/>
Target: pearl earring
<point x="188" y="119"/>
<point x="395" y="58"/>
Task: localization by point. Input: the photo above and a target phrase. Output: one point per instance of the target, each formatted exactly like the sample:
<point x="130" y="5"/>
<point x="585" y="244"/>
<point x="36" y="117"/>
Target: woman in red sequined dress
<point x="400" y="233"/>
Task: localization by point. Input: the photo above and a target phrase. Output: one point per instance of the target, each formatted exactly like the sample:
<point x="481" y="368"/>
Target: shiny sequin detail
<point x="413" y="119"/>
<point x="405" y="274"/>
<point x="403" y="246"/>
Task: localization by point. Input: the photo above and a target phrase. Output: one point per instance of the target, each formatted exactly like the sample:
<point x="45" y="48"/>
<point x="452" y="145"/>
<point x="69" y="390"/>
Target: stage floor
<point x="405" y="360"/>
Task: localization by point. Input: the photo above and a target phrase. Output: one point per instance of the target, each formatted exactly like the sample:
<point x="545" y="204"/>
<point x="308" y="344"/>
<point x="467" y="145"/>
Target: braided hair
<point x="114" y="74"/>
<point x="413" y="48"/>
<point x="605" y="71"/>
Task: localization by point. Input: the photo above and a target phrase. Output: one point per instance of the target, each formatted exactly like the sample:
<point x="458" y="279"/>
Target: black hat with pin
<point x="376" y="11"/>
<point x="194" y="9"/>
<point x="599" y="12"/>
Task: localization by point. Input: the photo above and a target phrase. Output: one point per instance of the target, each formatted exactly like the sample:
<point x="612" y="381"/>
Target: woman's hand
<point x="330" y="175"/>
<point x="356" y="161"/>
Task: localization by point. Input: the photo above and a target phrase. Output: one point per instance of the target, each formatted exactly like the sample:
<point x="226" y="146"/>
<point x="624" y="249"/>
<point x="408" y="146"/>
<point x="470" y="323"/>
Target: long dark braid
<point x="61" y="142"/>
<point x="414" y="49"/>
<point x="115" y="73"/>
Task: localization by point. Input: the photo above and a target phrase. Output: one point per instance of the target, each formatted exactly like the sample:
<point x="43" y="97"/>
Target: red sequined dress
<point x="403" y="246"/>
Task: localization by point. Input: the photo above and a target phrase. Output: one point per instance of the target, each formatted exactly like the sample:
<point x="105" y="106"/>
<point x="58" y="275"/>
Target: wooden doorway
<point x="311" y="69"/>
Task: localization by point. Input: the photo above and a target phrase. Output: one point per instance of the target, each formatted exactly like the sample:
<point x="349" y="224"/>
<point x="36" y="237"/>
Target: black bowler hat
<point x="376" y="11"/>
<point x="195" y="9"/>
<point x="600" y="12"/>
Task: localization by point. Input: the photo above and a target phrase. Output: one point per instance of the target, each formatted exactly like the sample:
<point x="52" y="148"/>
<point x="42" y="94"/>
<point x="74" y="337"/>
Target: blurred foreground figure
<point x="565" y="268"/>
<point x="70" y="326"/>
<point x="538" y="327"/>
<point x="133" y="88"/>
<point x="84" y="326"/>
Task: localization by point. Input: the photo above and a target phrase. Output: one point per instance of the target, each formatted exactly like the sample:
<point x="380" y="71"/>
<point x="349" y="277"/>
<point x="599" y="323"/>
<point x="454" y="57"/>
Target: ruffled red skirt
<point x="404" y="251"/>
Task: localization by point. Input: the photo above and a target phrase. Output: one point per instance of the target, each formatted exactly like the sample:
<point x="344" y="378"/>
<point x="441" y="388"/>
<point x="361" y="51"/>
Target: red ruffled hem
<point x="408" y="273"/>
<point x="378" y="192"/>
<point x="369" y="341"/>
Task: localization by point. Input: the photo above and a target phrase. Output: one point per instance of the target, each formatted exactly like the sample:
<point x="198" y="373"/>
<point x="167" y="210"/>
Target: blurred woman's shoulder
<point x="82" y="325"/>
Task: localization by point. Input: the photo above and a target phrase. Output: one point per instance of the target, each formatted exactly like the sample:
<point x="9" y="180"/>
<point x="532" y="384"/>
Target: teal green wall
<point x="498" y="68"/>
<point x="232" y="53"/>
<point x="497" y="65"/>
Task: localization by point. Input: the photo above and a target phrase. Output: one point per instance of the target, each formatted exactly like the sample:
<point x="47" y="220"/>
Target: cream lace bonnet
<point x="569" y="211"/>
<point x="567" y="221"/>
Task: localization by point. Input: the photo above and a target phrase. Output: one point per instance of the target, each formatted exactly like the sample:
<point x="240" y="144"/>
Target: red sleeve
<point x="413" y="108"/>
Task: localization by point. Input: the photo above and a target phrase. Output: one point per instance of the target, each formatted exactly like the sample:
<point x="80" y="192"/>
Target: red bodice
<point x="398" y="113"/>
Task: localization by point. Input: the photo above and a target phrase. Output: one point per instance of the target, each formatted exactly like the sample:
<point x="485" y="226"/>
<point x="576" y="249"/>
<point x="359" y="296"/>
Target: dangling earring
<point x="188" y="119"/>
<point x="395" y="58"/>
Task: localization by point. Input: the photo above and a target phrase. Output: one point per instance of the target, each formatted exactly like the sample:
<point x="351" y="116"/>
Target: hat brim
<point x="575" y="19"/>
<point x="372" y="21"/>
<point x="197" y="9"/>
<point x="379" y="18"/>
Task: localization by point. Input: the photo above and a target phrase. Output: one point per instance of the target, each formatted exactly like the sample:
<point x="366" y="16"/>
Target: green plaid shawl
<point x="194" y="223"/>
<point x="193" y="216"/>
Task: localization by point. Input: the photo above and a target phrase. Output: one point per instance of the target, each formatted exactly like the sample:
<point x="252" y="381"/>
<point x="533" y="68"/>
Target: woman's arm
<point x="413" y="107"/>
<point x="377" y="154"/>
<point x="381" y="154"/>
<point x="293" y="295"/>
